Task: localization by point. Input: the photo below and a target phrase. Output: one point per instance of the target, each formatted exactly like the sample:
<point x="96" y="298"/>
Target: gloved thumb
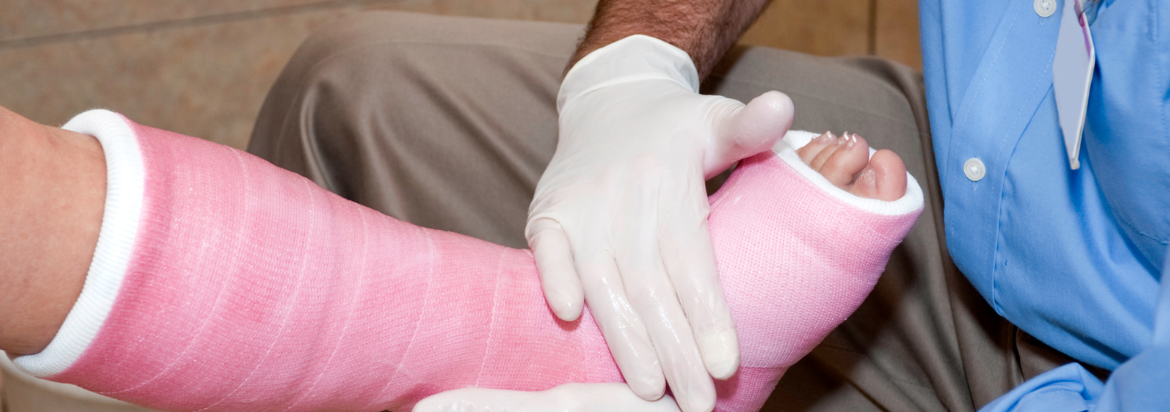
<point x="743" y="131"/>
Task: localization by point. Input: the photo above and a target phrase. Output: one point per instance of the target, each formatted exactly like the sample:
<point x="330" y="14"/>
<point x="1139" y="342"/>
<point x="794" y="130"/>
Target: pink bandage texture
<point x="249" y="288"/>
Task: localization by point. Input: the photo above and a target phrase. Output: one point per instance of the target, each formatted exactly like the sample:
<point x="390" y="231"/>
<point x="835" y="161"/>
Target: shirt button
<point x="1044" y="8"/>
<point x="974" y="169"/>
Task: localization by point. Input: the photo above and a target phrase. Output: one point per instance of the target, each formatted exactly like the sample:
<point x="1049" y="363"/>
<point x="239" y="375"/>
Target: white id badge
<point x="1072" y="73"/>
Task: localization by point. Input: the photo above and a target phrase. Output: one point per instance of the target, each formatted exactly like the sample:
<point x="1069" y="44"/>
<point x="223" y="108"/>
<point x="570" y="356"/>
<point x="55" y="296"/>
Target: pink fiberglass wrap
<point x="250" y="288"/>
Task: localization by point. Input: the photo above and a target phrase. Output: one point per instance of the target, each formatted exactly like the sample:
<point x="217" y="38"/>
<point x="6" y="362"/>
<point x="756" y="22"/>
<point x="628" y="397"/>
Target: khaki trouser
<point x="26" y="393"/>
<point x="448" y="123"/>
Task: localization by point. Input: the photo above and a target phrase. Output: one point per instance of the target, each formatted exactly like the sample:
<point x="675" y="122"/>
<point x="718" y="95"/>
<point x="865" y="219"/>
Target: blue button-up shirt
<point x="1073" y="257"/>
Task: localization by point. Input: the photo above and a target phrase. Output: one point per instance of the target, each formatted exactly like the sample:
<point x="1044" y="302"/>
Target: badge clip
<point x="1072" y="74"/>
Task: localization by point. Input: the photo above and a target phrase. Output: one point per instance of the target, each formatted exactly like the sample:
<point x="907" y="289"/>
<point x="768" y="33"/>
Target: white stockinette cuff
<point x="125" y="188"/>
<point x="633" y="58"/>
<point x="786" y="149"/>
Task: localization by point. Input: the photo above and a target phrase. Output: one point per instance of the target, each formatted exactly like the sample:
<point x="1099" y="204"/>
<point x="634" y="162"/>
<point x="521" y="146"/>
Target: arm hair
<point x="705" y="29"/>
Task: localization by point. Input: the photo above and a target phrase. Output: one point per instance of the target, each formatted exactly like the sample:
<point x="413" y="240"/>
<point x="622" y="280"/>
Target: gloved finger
<point x="610" y="397"/>
<point x="740" y="131"/>
<point x="689" y="258"/>
<point x="554" y="261"/>
<point x="487" y="400"/>
<point x="622" y="328"/>
<point x="578" y="397"/>
<point x="654" y="299"/>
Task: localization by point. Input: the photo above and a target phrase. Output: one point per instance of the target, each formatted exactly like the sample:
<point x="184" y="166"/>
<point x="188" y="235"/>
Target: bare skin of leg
<point x="845" y="162"/>
<point x="52" y="195"/>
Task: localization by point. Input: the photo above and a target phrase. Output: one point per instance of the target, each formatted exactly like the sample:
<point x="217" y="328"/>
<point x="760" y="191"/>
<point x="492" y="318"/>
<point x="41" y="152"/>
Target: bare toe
<point x="814" y="147"/>
<point x="847" y="161"/>
<point x="823" y="156"/>
<point x="884" y="178"/>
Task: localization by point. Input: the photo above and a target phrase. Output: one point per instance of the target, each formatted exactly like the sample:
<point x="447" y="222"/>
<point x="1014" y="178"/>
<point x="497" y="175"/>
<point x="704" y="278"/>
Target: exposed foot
<point x="846" y="163"/>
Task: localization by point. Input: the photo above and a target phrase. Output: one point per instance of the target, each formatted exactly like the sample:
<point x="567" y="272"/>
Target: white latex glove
<point x="619" y="219"/>
<point x="572" y="397"/>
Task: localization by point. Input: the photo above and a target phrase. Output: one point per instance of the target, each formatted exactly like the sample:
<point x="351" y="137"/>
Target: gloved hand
<point x="572" y="397"/>
<point x="619" y="218"/>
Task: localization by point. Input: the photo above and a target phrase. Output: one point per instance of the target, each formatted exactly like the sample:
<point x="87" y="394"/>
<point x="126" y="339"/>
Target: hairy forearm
<point x="705" y="29"/>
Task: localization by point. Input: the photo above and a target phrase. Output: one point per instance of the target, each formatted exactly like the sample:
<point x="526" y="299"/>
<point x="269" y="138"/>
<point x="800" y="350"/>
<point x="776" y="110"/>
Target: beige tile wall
<point x="202" y="67"/>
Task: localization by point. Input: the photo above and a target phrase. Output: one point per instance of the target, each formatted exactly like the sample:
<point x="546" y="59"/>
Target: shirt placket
<point x="1012" y="79"/>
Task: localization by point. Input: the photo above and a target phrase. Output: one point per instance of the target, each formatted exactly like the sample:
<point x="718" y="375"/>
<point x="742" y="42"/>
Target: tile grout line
<point x="34" y="41"/>
<point x="871" y="41"/>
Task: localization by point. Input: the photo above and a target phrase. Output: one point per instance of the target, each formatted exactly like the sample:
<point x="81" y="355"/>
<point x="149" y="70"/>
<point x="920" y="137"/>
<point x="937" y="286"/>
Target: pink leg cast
<point x="245" y="287"/>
